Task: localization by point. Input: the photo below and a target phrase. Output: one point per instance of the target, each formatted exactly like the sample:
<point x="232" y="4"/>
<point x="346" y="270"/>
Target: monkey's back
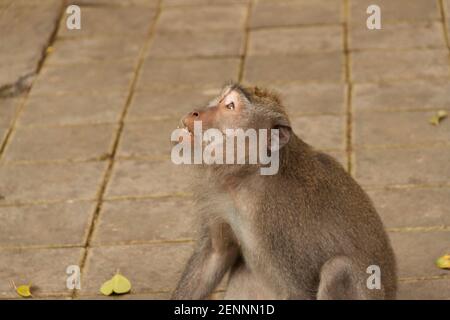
<point x="324" y="213"/>
<point x="337" y="218"/>
<point x="349" y="216"/>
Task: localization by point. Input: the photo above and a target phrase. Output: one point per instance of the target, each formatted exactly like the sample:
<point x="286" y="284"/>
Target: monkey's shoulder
<point x="326" y="160"/>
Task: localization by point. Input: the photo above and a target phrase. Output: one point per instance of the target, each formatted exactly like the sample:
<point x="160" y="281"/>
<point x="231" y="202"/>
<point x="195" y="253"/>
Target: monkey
<point x="307" y="232"/>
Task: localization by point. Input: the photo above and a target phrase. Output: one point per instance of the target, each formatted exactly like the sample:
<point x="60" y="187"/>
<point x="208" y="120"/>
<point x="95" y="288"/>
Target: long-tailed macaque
<point x="307" y="232"/>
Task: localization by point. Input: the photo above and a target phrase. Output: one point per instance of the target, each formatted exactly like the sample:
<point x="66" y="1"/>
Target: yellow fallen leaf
<point x="121" y="284"/>
<point x="23" y="290"/>
<point x="117" y="284"/>
<point x="107" y="288"/>
<point x="443" y="262"/>
<point x="438" y="117"/>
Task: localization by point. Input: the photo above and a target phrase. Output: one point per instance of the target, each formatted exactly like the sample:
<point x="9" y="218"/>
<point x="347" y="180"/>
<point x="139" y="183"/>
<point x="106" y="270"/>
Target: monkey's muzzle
<point x="187" y="121"/>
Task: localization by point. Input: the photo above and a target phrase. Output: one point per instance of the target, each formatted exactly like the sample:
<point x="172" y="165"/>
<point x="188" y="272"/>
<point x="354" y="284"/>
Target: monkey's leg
<point x="215" y="253"/>
<point x="339" y="280"/>
<point x="243" y="285"/>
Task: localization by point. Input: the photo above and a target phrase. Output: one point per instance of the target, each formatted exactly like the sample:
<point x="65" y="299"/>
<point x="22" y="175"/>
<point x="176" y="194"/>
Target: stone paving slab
<point x="212" y="18"/>
<point x="412" y="208"/>
<point x="150" y="3"/>
<point x="3" y="135"/>
<point x="417" y="252"/>
<point x="168" y="3"/>
<point x="398" y="128"/>
<point x="58" y="224"/>
<point x="148" y="139"/>
<point x="72" y="108"/>
<point x="408" y="95"/>
<point x="152" y="219"/>
<point x="57" y="296"/>
<point x="399" y="36"/>
<point x="320" y="67"/>
<point x="147" y="178"/>
<point x="45" y="269"/>
<point x="160" y="105"/>
<point x="5" y="3"/>
<point x="196" y="73"/>
<point x="84" y="77"/>
<point x="295" y="40"/>
<point x="19" y="59"/>
<point x="131" y="296"/>
<point x="185" y="44"/>
<point x="27" y="3"/>
<point x="310" y="99"/>
<point x="38" y="182"/>
<point x="8" y="110"/>
<point x="373" y="66"/>
<point x="97" y="49"/>
<point x="399" y="10"/>
<point x="425" y="290"/>
<point x="75" y="143"/>
<point x="447" y="15"/>
<point x="268" y="13"/>
<point x="378" y="167"/>
<point x="104" y="21"/>
<point x="144" y="296"/>
<point x="150" y="268"/>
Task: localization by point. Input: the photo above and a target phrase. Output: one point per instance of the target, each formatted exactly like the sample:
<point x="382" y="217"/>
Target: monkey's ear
<point x="284" y="134"/>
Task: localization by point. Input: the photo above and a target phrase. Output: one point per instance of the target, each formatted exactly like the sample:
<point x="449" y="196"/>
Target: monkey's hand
<point x="214" y="254"/>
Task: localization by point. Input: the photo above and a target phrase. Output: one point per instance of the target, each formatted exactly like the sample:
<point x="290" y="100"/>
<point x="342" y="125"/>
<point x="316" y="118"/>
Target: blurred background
<point x="86" y="116"/>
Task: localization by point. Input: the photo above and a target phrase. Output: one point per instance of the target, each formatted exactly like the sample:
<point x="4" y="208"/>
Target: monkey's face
<point x="238" y="128"/>
<point x="239" y="108"/>
<point x="224" y="112"/>
<point x="243" y="128"/>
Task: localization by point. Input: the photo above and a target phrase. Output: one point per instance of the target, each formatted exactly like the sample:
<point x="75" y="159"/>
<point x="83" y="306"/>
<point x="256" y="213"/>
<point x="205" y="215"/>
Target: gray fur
<point x="308" y="232"/>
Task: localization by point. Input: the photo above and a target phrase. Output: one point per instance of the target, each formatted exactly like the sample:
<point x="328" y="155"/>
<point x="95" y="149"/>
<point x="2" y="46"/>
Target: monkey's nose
<point x="188" y="120"/>
<point x="191" y="116"/>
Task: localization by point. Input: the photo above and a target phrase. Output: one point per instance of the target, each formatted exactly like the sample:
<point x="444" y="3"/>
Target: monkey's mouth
<point x="186" y="133"/>
<point x="184" y="127"/>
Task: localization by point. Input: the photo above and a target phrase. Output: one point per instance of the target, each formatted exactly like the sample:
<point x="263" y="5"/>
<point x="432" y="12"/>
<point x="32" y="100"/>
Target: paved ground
<point x="85" y="177"/>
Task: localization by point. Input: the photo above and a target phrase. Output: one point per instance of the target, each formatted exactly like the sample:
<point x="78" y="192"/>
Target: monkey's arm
<point x="215" y="253"/>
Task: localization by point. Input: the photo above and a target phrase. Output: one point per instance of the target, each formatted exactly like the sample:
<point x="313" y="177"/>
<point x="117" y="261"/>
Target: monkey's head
<point x="239" y="107"/>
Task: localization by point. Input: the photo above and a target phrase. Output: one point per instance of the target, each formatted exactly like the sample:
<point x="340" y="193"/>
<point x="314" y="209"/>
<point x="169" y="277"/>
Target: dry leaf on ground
<point x="438" y="117"/>
<point x="443" y="262"/>
<point x="22" y="290"/>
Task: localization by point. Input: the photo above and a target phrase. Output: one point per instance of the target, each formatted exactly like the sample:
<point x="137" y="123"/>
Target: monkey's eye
<point x="230" y="106"/>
